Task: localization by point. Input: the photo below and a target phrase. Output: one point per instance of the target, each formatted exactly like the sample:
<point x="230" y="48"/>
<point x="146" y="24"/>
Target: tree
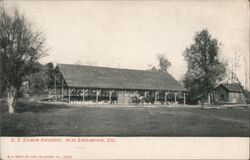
<point x="247" y="74"/>
<point x="41" y="80"/>
<point x="163" y="65"/>
<point x="20" y="49"/>
<point x="50" y="72"/>
<point x="235" y="65"/>
<point x="205" y="70"/>
<point x="152" y="68"/>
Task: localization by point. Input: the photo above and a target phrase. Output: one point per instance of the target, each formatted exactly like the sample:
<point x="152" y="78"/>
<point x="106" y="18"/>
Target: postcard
<point x="124" y="80"/>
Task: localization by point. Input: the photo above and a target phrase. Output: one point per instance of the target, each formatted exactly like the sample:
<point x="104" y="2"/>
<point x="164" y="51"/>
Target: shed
<point x="229" y="93"/>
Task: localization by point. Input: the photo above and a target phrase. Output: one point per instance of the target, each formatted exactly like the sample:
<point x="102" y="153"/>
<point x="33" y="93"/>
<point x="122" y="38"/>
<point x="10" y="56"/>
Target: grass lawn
<point x="58" y="120"/>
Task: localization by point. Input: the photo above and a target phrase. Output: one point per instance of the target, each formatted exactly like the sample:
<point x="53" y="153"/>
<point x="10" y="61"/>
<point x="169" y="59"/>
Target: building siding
<point x="222" y="95"/>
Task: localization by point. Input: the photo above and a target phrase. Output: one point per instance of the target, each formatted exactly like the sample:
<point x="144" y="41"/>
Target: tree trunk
<point x="10" y="98"/>
<point x="212" y="98"/>
<point x="208" y="98"/>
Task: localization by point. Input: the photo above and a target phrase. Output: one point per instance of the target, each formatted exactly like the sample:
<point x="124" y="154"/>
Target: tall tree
<point x="20" y="49"/>
<point x="205" y="70"/>
<point x="163" y="64"/>
<point x="247" y="74"/>
<point x="40" y="81"/>
<point x="235" y="65"/>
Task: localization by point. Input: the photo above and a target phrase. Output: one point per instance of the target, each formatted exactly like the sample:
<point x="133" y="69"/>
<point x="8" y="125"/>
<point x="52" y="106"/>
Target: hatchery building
<point x="83" y="84"/>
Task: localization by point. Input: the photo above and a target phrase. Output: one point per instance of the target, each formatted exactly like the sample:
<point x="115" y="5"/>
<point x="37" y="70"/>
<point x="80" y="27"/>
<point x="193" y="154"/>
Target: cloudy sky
<point x="129" y="34"/>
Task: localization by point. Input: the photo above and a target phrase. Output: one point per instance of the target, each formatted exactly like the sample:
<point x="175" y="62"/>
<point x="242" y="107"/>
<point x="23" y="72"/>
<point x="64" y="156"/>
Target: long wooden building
<point x="91" y="83"/>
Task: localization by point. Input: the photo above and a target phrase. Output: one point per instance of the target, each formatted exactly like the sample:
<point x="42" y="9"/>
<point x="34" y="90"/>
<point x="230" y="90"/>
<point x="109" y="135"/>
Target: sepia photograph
<point x="124" y="69"/>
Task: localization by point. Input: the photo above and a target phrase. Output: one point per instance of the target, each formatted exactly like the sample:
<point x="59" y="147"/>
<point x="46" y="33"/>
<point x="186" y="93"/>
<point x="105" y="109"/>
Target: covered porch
<point x="76" y="95"/>
<point x="92" y="85"/>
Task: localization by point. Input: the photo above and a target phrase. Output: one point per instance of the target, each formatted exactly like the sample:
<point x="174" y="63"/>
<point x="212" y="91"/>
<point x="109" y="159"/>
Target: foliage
<point x="41" y="80"/>
<point x="205" y="70"/>
<point x="20" y="49"/>
<point x="163" y="65"/>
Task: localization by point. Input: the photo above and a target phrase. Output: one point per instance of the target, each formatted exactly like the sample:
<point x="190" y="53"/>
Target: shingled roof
<point x="82" y="76"/>
<point x="232" y="87"/>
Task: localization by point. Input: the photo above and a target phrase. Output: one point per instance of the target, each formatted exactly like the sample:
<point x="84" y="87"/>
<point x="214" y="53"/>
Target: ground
<point x="59" y="120"/>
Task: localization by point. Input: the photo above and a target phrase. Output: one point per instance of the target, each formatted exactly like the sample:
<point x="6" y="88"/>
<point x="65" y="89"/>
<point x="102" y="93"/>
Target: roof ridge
<point x="113" y="68"/>
<point x="231" y="83"/>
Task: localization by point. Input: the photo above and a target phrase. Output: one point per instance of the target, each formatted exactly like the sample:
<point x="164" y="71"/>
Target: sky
<point x="129" y="34"/>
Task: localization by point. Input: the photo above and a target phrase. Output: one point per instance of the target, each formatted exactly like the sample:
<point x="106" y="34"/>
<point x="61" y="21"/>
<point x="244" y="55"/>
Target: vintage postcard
<point x="124" y="79"/>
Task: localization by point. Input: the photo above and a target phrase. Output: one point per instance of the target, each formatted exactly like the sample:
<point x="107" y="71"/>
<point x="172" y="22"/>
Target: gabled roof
<point x="112" y="78"/>
<point x="232" y="87"/>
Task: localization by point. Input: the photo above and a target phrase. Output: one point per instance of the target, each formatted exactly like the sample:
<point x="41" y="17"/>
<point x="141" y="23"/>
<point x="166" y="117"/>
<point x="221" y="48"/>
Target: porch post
<point x="155" y="96"/>
<point x="55" y="85"/>
<point x="208" y="98"/>
<point x="122" y="97"/>
<point x="166" y="98"/>
<point x="97" y="94"/>
<point x="129" y="97"/>
<point x="69" y="94"/>
<point x="175" y="94"/>
<point x="62" y="89"/>
<point x="156" y="93"/>
<point x="110" y="96"/>
<point x="83" y="95"/>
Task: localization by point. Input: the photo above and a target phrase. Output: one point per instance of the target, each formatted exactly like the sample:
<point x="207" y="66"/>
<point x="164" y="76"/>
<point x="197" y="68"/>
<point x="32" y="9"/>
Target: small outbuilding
<point x="229" y="93"/>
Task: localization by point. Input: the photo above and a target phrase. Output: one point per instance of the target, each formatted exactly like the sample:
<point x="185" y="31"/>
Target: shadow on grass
<point x="23" y="105"/>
